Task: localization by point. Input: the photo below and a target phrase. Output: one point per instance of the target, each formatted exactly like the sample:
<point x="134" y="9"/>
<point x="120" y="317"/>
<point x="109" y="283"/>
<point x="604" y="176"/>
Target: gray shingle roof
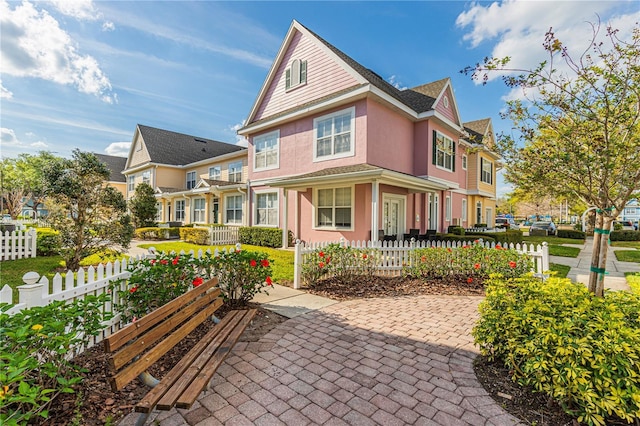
<point x="178" y="149"/>
<point x="115" y="165"/>
<point x="477" y="129"/>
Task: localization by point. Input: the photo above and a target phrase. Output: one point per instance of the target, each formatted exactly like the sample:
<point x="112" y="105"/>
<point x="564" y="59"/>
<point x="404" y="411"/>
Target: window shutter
<point x="435" y="148"/>
<point x="287" y="83"/>
<point x="303" y="72"/>
<point x="491" y="173"/>
<point x="453" y="159"/>
<point x="481" y="168"/>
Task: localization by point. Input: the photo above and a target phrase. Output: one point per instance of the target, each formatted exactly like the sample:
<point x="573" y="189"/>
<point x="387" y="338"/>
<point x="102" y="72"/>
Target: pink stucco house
<point x="336" y="151"/>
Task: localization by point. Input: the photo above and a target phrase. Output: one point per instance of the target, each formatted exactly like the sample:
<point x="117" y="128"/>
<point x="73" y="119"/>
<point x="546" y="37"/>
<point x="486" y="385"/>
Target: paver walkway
<point x="390" y="361"/>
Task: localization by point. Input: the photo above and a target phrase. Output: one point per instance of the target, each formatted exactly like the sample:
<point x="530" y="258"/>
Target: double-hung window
<point x="146" y="177"/>
<point x="235" y="171"/>
<point x="214" y="173"/>
<point x="198" y="210"/>
<point x="334" y="135"/>
<point x="179" y="210"/>
<point x="444" y="152"/>
<point x="191" y="180"/>
<point x="131" y="186"/>
<point x="267" y="209"/>
<point x="447" y="209"/>
<point x="296" y="74"/>
<point x="267" y="151"/>
<point x="233" y="209"/>
<point x="158" y="212"/>
<point x="334" y="207"/>
<point x="486" y="168"/>
<point x="464" y="210"/>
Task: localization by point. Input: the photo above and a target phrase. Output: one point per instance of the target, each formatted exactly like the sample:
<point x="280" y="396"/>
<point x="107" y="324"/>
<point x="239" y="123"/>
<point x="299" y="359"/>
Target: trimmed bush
<point x="625" y="235"/>
<point x="156" y="233"/>
<point x="198" y="236"/>
<point x="467" y="237"/>
<point x="455" y="230"/>
<point x="48" y="242"/>
<point x="506" y="237"/>
<point x="480" y="225"/>
<point x="581" y="350"/>
<point x="573" y="234"/>
<point x="264" y="237"/>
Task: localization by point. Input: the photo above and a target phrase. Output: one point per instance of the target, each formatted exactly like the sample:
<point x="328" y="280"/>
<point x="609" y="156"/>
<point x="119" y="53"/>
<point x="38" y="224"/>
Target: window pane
<point x="323" y="147"/>
<point x="325" y="197"/>
<point x="343" y="217"/>
<point x="343" y="197"/>
<point x="342" y="143"/>
<point x="324" y="128"/>
<point x="324" y="217"/>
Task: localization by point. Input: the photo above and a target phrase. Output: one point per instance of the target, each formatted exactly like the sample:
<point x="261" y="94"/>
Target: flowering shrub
<point x="579" y="349"/>
<point x="35" y="351"/>
<point x="241" y="274"/>
<point x="339" y="261"/>
<point x="154" y="282"/>
<point x="471" y="260"/>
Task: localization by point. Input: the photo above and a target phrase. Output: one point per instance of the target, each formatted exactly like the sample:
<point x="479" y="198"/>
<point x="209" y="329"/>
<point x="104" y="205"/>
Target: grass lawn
<point x="634" y="281"/>
<point x="561" y="270"/>
<point x="628" y="255"/>
<point x="630" y="244"/>
<point x="539" y="239"/>
<point x="556" y="250"/>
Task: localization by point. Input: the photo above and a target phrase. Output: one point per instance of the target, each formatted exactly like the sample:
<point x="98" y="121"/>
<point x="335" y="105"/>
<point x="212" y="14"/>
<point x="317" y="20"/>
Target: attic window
<point x="296" y="74"/>
<point x="445" y="102"/>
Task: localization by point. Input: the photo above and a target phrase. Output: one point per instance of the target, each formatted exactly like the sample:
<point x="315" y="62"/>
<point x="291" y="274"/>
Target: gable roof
<point x="419" y="99"/>
<point x="477" y="130"/>
<point x="178" y="149"/>
<point x="115" y="165"/>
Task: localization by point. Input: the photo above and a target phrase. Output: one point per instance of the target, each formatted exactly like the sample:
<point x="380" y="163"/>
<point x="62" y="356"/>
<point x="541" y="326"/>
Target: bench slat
<point x="217" y="334"/>
<point x="122" y="337"/>
<point x="142" y="343"/>
<point x="119" y="380"/>
<point x="206" y="369"/>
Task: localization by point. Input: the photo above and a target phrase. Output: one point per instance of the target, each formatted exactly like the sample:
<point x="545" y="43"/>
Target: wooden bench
<point x="140" y="344"/>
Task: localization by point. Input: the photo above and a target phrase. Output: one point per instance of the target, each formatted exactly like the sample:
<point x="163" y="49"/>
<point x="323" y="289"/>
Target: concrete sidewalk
<point x="580" y="267"/>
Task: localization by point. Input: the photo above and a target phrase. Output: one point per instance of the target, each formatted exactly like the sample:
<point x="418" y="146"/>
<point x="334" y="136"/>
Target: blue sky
<point x="82" y="74"/>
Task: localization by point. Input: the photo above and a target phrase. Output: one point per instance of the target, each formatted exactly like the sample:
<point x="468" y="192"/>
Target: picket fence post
<point x="32" y="291"/>
<point x="297" y="265"/>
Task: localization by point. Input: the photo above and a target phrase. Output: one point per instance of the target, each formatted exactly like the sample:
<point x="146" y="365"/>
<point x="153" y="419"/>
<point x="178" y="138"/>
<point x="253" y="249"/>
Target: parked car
<point x="507" y="222"/>
<point x="6" y="218"/>
<point x="539" y="227"/>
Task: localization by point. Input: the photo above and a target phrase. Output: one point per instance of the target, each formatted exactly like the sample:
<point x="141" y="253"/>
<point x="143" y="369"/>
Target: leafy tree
<point x="580" y="127"/>
<point x="90" y="216"/>
<point x="143" y="206"/>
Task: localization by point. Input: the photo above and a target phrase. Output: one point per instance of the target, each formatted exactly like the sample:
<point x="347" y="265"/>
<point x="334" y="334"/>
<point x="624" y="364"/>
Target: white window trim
<point x="131" y="183"/>
<point x="219" y="172"/>
<point x="203" y="210"/>
<point x="315" y="209"/>
<point x="453" y="155"/>
<point x="447" y="208"/>
<point x="186" y="179"/>
<point x="464" y="210"/>
<point x="351" y="152"/>
<point x="290" y="70"/>
<point x="184" y="210"/>
<point x="465" y="160"/>
<point x="229" y="170"/>
<point x="146" y="177"/>
<point x="277" y="149"/>
<point x="483" y="162"/>
<point x="255" y="209"/>
<point x="224" y="213"/>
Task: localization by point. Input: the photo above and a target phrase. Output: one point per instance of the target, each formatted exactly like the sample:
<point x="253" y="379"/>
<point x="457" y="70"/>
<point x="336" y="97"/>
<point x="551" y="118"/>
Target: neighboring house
<point x="631" y="212"/>
<point x="336" y="151"/>
<point x="197" y="180"/>
<point x="115" y="165"/>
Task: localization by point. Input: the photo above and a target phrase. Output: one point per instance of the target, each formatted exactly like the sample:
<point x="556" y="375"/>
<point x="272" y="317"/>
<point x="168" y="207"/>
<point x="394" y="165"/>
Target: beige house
<point x="196" y="180"/>
<point x="115" y="165"/>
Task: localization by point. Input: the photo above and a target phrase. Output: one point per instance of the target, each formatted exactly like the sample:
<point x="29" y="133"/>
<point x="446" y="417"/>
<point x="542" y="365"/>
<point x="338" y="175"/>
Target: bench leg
<point x="146" y="378"/>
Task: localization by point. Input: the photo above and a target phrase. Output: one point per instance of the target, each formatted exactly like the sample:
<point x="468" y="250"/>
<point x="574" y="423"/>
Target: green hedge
<point x="581" y="350"/>
<point x="625" y="236"/>
<point x="198" y="236"/>
<point x="156" y="233"/>
<point x="467" y="237"/>
<point x="48" y="242"/>
<point x="455" y="230"/>
<point x="264" y="237"/>
<point x="567" y="233"/>
<point x="506" y="237"/>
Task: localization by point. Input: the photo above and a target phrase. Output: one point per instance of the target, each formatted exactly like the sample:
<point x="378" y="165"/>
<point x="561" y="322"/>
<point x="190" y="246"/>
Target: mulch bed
<point x="96" y="404"/>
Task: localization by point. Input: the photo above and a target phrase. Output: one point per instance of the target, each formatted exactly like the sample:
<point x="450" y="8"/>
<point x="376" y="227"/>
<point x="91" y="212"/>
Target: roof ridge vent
<point x="199" y="140"/>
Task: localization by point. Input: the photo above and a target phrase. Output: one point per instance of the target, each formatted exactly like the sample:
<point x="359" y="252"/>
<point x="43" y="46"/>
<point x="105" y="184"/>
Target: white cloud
<point x="35" y="46"/>
<point x="8" y="137"/>
<point x="393" y="80"/>
<point x="4" y="92"/>
<point x="79" y="9"/>
<point x="39" y="145"/>
<point x="108" y="26"/>
<point x="240" y="140"/>
<point x="517" y="28"/>
<point x="119" y="149"/>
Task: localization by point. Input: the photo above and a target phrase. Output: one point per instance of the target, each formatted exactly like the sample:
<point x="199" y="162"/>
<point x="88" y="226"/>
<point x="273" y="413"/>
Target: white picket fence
<point x="224" y="235"/>
<point x="394" y="255"/>
<point x="18" y="244"/>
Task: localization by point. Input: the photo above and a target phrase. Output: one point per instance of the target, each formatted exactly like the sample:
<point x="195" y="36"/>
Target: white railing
<point x="18" y="244"/>
<point x="223" y="235"/>
<point x="394" y="255"/>
<point x="472" y="230"/>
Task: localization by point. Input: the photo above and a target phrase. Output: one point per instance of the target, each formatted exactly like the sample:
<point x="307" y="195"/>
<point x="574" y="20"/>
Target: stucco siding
<point x="390" y="139"/>
<point x="324" y="76"/>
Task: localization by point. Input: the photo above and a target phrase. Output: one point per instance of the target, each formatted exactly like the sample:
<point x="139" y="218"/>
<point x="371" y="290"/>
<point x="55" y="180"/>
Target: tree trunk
<point x="604" y="249"/>
<point x="599" y="256"/>
<point x="595" y="255"/>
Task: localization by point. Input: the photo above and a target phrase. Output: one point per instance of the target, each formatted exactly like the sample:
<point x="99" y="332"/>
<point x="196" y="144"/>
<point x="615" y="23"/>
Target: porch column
<point x="285" y="218"/>
<point x="375" y="188"/>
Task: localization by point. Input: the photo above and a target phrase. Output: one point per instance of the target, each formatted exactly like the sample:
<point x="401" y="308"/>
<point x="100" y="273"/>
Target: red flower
<point x="449" y="250"/>
<point x="321" y="265"/>
<point x="153" y="261"/>
<point x="423" y="259"/>
<point x="253" y="263"/>
<point x="469" y="280"/>
<point x="465" y="246"/>
<point x="133" y="289"/>
<point x="328" y="258"/>
<point x="164" y="261"/>
<point x="512" y="264"/>
<point x="477" y="266"/>
<point x="197" y="281"/>
<point x="268" y="281"/>
<point x="364" y="255"/>
<point x="321" y="254"/>
<point x="264" y="263"/>
<point x="175" y="260"/>
<point x="498" y="246"/>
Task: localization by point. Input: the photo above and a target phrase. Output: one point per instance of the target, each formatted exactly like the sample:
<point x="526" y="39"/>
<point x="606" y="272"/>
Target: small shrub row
<point x="343" y="263"/>
<point x="507" y="237"/>
<point x="469" y="237"/>
<point x="581" y="350"/>
<point x="626" y="235"/>
<point x="48" y="242"/>
<point x="192" y="235"/>
<point x="469" y="260"/>
<point x="570" y="233"/>
<point x="156" y="233"/>
<point x="455" y="230"/>
<point x="264" y="237"/>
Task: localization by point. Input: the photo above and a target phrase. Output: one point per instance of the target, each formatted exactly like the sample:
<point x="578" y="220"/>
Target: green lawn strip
<point x="563" y="251"/>
<point x="281" y="265"/>
<point x="628" y="255"/>
<point x="628" y="244"/>
<point x="634" y="281"/>
<point x="560" y="270"/>
<point x="11" y="271"/>
<point x="539" y="239"/>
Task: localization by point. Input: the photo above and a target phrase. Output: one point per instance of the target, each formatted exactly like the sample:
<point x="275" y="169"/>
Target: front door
<point x="393" y="216"/>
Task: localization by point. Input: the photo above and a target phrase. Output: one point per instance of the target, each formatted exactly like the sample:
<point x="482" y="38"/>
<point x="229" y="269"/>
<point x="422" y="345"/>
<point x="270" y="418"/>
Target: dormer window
<point x="296" y="74"/>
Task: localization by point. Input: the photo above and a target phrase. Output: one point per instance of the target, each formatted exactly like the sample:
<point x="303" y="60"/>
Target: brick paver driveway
<point x="385" y="362"/>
